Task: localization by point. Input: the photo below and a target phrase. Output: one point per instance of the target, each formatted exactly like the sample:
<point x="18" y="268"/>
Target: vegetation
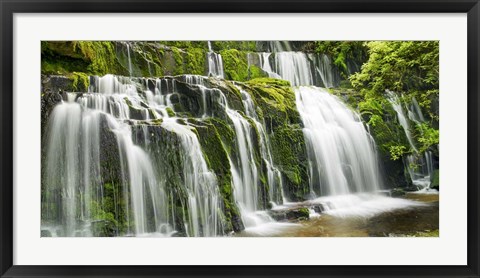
<point x="411" y="70"/>
<point x="408" y="69"/>
<point x="341" y="52"/>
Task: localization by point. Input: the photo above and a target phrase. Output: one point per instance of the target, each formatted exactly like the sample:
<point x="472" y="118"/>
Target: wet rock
<point x="104" y="228"/>
<point x="320" y="208"/>
<point x="298" y="214"/>
<point x="237" y="223"/>
<point x="397" y="192"/>
<point x="109" y="154"/>
<point x="294" y="214"/>
<point x="45" y="233"/>
<point x="56" y="83"/>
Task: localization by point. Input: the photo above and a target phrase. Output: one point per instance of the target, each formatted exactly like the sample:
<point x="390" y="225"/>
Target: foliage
<point x="397" y="152"/>
<point x="195" y="61"/>
<point x="185" y="44"/>
<point x="411" y="67"/>
<point x="100" y="54"/>
<point x="428" y="136"/>
<point x="218" y="46"/>
<point x="340" y="51"/>
<point x="399" y="66"/>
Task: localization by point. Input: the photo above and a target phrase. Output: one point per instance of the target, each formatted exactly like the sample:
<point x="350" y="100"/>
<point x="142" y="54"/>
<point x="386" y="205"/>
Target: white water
<point x="342" y="154"/>
<point x="215" y="63"/>
<point x="200" y="182"/>
<point x="245" y="173"/>
<point x="419" y="165"/>
<point x="297" y="67"/>
<point x="397" y="106"/>
<point x="129" y="59"/>
<point x="274" y="177"/>
<point x="294" y="67"/>
<point x="73" y="150"/>
<point x="362" y="205"/>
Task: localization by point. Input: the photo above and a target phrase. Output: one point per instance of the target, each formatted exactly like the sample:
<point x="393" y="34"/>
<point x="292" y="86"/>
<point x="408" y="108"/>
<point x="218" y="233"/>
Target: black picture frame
<point x="10" y="7"/>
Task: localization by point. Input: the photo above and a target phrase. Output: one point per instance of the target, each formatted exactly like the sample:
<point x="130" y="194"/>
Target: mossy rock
<point x="435" y="180"/>
<point x="218" y="46"/>
<point x="290" y="156"/>
<point x="217" y="159"/>
<point x="235" y="64"/>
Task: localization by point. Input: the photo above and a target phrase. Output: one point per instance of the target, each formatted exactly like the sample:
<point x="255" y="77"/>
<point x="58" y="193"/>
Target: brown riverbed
<point x="417" y="221"/>
<point x="413" y="221"/>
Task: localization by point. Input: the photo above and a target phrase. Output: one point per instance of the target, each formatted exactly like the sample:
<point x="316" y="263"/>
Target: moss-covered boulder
<point x="215" y="151"/>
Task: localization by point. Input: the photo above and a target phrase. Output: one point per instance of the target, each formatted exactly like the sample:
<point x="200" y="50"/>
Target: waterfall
<point x="215" y="63"/>
<point x="245" y="173"/>
<point x="68" y="152"/>
<point x="274" y="177"/>
<point x="200" y="182"/>
<point x="73" y="178"/>
<point x="297" y="67"/>
<point x="341" y="153"/>
<point x="419" y="165"/>
<point x="129" y="59"/>
<point x="397" y="106"/>
<point x="324" y="72"/>
<point x="294" y="67"/>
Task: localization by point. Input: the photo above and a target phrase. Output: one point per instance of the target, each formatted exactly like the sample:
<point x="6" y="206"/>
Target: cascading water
<point x="294" y="67"/>
<point x="245" y="174"/>
<point x="419" y="165"/>
<point x="114" y="103"/>
<point x="215" y="63"/>
<point x="274" y="177"/>
<point x="342" y="156"/>
<point x="165" y="185"/>
<point x="297" y="67"/>
<point x="245" y="178"/>
<point x="129" y="59"/>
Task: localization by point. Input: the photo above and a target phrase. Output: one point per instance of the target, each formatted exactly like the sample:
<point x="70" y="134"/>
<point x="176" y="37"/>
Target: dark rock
<point x="104" y="228"/>
<point x="237" y="223"/>
<point x="278" y="215"/>
<point x="292" y="214"/>
<point x="45" y="233"/>
<point x="56" y="83"/>
<point x="319" y="208"/>
<point x="110" y="166"/>
<point x="298" y="214"/>
<point x="397" y="192"/>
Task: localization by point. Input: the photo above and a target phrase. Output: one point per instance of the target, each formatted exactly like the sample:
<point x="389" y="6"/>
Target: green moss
<point x="256" y="72"/>
<point x="226" y="133"/>
<point x="276" y="99"/>
<point x="216" y="156"/>
<point x="178" y="57"/>
<point x="289" y="154"/>
<point x="434" y="233"/>
<point x="100" y="54"/>
<point x="185" y="44"/>
<point x="81" y="81"/>
<point x="236" y="45"/>
<point x="90" y="57"/>
<point x="435" y="180"/>
<point x="235" y="64"/>
<point x="269" y="82"/>
<point x="170" y="112"/>
<point x="195" y="60"/>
